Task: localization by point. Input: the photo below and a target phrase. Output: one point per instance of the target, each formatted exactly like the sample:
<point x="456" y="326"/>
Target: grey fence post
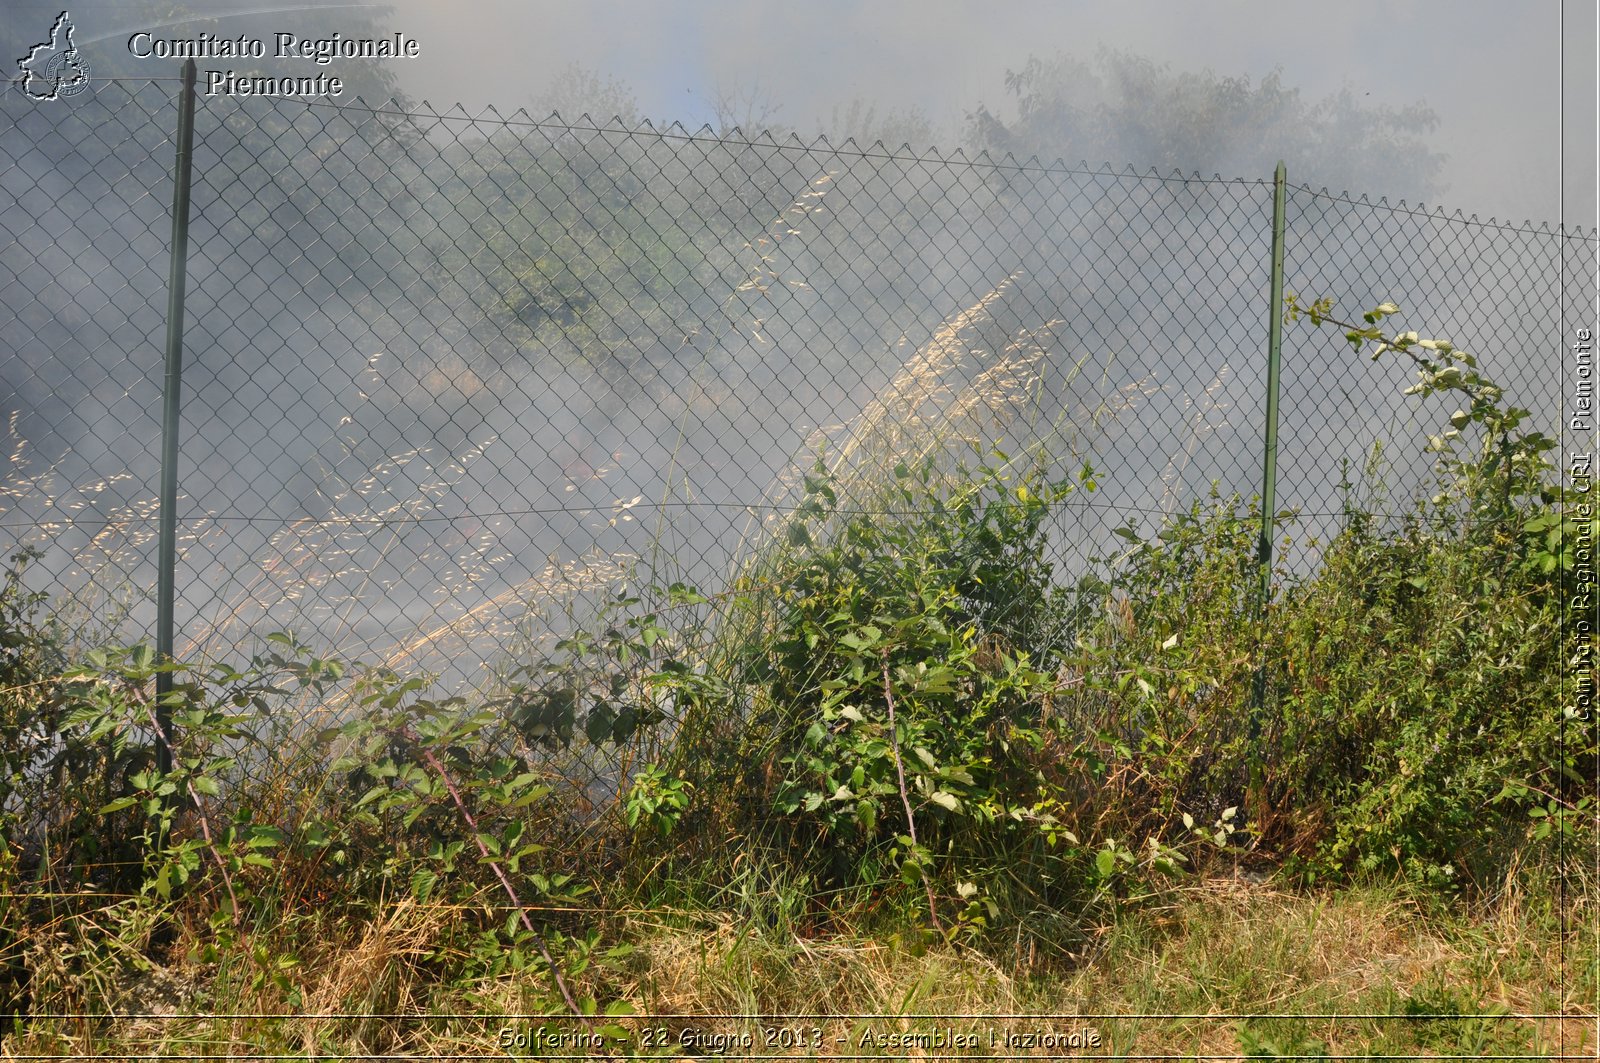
<point x="167" y="552"/>
<point x="1269" y="461"/>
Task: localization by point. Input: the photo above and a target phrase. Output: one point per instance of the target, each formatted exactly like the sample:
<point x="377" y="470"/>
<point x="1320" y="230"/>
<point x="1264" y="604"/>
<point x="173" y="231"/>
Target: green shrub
<point x="57" y="767"/>
<point x="898" y="695"/>
<point x="1420" y="716"/>
<point x="1420" y="679"/>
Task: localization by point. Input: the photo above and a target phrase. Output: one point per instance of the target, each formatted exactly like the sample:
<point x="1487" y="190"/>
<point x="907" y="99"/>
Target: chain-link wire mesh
<point x="446" y="375"/>
<point x="1512" y="295"/>
<point x="84" y="202"/>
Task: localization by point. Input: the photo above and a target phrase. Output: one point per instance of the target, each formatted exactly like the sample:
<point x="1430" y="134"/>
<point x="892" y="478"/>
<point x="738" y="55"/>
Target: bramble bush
<point x="1412" y="722"/>
<point x="897" y="701"/>
<point x="1422" y="714"/>
<point x="410" y="797"/>
<point x="911" y="701"/>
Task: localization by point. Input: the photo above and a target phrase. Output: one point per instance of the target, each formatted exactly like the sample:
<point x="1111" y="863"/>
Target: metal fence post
<point x="1269" y="461"/>
<point x="167" y="553"/>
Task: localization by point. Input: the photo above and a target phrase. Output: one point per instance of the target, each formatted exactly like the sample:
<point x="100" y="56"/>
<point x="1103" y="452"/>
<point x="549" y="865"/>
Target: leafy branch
<point x="194" y="798"/>
<point x="1509" y="461"/>
<point x="409" y="735"/>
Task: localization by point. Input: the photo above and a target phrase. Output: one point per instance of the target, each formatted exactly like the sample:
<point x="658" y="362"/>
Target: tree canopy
<point x="1125" y="109"/>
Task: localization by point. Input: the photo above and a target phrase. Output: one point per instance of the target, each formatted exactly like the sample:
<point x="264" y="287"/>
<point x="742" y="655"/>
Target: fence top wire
<point x="822" y="144"/>
<point x="1439" y="213"/>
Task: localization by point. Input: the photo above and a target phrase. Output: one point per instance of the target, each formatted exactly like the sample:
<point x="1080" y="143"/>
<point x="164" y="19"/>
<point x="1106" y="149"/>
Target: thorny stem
<point x="505" y="881"/>
<point x="905" y="798"/>
<point x="1478" y="393"/>
<point x="194" y="799"/>
<point x="1421" y="362"/>
<point x="1417" y="358"/>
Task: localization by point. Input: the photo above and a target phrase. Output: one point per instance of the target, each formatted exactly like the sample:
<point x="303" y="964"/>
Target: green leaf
<point x="597" y="726"/>
<point x="945" y="799"/>
<point x="371" y="795"/>
<point x="264" y="836"/>
<point x="1104" y="862"/>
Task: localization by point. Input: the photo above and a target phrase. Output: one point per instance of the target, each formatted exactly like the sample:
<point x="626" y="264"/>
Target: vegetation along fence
<point x="447" y="380"/>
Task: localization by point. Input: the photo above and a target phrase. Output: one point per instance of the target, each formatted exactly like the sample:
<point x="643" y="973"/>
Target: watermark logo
<point x="54" y="69"/>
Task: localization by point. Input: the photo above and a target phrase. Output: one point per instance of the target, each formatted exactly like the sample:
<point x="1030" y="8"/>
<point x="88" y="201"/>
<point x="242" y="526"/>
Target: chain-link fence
<point x="445" y="373"/>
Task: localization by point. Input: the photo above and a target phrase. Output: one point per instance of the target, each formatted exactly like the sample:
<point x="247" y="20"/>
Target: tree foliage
<point x="862" y="121"/>
<point x="577" y="90"/>
<point x="1121" y="107"/>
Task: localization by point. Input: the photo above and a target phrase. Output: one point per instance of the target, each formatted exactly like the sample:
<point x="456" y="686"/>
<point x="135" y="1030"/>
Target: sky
<point x="1513" y="85"/>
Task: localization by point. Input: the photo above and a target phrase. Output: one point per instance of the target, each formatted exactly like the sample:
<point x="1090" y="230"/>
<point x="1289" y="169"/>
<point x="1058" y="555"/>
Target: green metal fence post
<point x="167" y="552"/>
<point x="1269" y="461"/>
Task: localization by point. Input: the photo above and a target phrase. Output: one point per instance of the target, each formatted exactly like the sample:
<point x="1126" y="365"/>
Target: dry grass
<point x="518" y="621"/>
<point x="317" y="576"/>
<point x="761" y="254"/>
<point x="1207" y="416"/>
<point x="949" y="397"/>
<point x="1224" y="948"/>
<point x="381" y="978"/>
<point x="1222" y="956"/>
